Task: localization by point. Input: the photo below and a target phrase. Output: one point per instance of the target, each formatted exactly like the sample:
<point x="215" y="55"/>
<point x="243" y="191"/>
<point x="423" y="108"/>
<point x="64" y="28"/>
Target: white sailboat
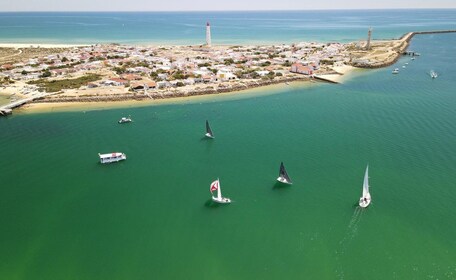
<point x="215" y="186"/>
<point x="209" y="133"/>
<point x="283" y="175"/>
<point x="365" y="200"/>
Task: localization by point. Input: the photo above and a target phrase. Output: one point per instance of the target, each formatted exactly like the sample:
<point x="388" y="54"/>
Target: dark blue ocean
<point x="227" y="27"/>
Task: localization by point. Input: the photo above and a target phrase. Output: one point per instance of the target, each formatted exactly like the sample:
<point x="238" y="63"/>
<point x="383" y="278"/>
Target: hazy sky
<point x="212" y="5"/>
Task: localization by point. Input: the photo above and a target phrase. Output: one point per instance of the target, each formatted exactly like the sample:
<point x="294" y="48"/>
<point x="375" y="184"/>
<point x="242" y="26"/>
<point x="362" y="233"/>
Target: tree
<point x="46" y="74"/>
<point x="24" y="72"/>
<point x="64" y="59"/>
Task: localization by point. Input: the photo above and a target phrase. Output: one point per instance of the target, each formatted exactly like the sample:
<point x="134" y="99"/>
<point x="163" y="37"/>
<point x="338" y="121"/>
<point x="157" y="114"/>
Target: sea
<point x="63" y="215"/>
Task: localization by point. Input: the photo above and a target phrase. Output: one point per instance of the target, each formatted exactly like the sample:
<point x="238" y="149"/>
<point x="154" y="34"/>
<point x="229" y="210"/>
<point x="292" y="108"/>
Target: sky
<point x="214" y="5"/>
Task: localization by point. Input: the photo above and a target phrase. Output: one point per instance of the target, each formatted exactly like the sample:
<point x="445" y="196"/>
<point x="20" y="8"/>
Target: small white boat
<point x="406" y="63"/>
<point x="365" y="199"/>
<point x="125" y="120"/>
<point x="433" y="74"/>
<point x="209" y="133"/>
<point x="413" y="58"/>
<point x="396" y="71"/>
<point x="283" y="175"/>
<point x="112" y="157"/>
<point x="403" y="66"/>
<point x="215" y="186"/>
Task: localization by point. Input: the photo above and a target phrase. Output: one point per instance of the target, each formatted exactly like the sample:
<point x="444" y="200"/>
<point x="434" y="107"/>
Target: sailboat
<point x="209" y="133"/>
<point x="215" y="186"/>
<point x="365" y="200"/>
<point x="283" y="175"/>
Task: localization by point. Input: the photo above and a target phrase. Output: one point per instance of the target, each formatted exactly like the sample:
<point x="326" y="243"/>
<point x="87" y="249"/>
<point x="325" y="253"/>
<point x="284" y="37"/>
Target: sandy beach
<point x="39" y="45"/>
<point x="90" y="106"/>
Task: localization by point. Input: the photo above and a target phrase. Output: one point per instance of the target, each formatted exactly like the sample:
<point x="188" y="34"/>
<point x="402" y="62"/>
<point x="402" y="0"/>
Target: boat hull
<point x="284" y="181"/>
<point x="364" y="202"/>
<point x="223" y="200"/>
<point x="209" y="136"/>
<point x="113" y="159"/>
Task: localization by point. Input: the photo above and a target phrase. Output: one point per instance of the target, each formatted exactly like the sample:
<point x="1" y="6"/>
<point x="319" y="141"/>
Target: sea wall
<point x="177" y="92"/>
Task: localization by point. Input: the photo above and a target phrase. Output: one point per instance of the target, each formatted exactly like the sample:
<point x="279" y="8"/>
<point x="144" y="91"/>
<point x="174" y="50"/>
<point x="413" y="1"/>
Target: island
<point x="114" y="72"/>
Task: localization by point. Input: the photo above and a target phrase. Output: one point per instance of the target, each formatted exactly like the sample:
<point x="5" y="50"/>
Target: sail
<point x="366" y="183"/>
<point x="208" y="129"/>
<point x="214" y="186"/>
<point x="283" y="173"/>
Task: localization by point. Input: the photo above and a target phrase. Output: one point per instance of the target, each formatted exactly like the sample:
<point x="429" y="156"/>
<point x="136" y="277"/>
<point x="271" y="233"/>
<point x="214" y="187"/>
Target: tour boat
<point x="433" y="74"/>
<point x="215" y="186"/>
<point x="365" y="200"/>
<point x="209" y="132"/>
<point x="125" y="120"/>
<point x="112" y="157"/>
<point x="283" y="175"/>
<point x="396" y="71"/>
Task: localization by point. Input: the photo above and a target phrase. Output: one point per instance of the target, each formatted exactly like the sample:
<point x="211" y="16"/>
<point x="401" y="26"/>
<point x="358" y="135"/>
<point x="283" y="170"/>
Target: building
<point x="301" y="69"/>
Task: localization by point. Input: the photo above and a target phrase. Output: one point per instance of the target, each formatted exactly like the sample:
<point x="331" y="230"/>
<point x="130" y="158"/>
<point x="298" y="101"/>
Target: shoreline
<point x="75" y="106"/>
<point x="338" y="74"/>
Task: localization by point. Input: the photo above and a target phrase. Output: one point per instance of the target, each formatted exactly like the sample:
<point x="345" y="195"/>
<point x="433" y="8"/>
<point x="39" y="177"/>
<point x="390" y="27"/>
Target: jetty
<point x="8" y="108"/>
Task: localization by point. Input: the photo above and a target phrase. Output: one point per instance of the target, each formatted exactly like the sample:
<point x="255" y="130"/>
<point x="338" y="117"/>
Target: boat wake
<point x="350" y="234"/>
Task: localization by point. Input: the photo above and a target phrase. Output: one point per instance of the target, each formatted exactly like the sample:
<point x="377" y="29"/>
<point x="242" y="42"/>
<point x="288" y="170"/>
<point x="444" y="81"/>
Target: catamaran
<point x="215" y="186"/>
<point x="209" y="132"/>
<point x="365" y="200"/>
<point x="283" y="175"/>
<point x="125" y="120"/>
<point x="112" y="157"/>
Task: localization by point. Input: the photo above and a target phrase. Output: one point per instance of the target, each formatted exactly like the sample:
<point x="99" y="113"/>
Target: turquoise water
<point x="227" y="27"/>
<point x="64" y="216"/>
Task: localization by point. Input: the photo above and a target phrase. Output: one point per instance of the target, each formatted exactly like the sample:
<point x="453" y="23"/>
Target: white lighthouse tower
<point x="208" y="34"/>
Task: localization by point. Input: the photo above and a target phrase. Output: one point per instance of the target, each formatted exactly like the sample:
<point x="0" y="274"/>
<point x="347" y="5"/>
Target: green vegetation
<point x="58" y="85"/>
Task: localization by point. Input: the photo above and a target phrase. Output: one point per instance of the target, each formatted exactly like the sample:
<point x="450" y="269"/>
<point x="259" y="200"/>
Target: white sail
<point x="366" y="183"/>
<point x="219" y="199"/>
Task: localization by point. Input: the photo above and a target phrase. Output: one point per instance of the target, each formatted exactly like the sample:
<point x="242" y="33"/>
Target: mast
<point x="219" y="191"/>
<point x="366" y="182"/>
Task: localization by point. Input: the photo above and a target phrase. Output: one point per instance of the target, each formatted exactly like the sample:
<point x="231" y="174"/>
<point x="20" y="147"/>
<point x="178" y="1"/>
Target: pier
<point x="8" y="109"/>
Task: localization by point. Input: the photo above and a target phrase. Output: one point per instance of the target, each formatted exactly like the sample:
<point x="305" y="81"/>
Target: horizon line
<point x="192" y="11"/>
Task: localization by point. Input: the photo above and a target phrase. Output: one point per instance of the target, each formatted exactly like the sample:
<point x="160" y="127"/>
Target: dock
<point x="8" y="109"/>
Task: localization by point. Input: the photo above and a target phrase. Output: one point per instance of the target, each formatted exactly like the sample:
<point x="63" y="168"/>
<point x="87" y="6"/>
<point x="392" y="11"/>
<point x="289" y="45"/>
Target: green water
<point x="64" y="216"/>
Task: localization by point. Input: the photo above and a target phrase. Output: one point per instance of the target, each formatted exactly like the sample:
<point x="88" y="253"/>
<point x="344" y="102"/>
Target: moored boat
<point x="125" y="119"/>
<point x="396" y="71"/>
<point x="433" y="74"/>
<point x="112" y="157"/>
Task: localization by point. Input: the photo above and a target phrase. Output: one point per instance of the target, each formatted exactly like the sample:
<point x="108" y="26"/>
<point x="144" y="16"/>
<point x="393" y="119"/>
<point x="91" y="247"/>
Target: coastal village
<point x="120" y="72"/>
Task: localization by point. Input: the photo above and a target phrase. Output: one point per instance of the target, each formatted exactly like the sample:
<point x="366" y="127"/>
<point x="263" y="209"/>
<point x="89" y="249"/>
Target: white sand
<point x="44" y="46"/>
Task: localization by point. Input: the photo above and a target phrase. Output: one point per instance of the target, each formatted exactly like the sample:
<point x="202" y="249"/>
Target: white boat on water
<point x="396" y="71"/>
<point x="125" y="120"/>
<point x="215" y="186"/>
<point x="283" y="175"/>
<point x="433" y="74"/>
<point x="365" y="199"/>
<point x="209" y="133"/>
<point x="112" y="157"/>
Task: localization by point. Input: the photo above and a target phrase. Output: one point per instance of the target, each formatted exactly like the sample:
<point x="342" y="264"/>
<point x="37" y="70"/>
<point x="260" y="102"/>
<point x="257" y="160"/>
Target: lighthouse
<point x="208" y="34"/>
<point x="369" y="35"/>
